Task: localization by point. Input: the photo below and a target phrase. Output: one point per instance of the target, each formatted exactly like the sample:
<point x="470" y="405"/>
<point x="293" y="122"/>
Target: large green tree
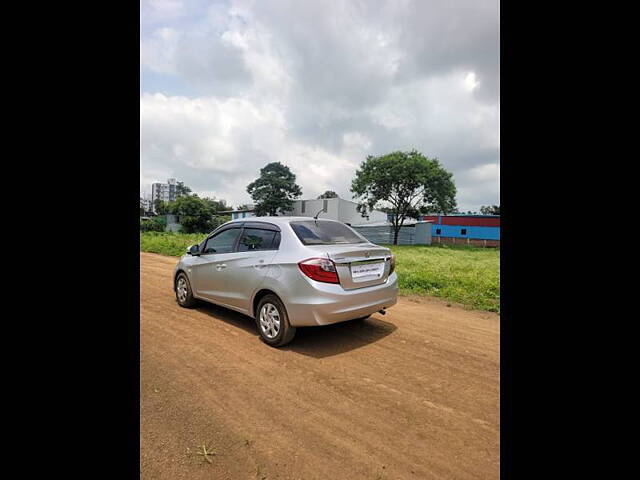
<point x="328" y="194"/>
<point x="216" y="205"/>
<point x="159" y="206"/>
<point x="406" y="181"/>
<point x="196" y="215"/>
<point x="182" y="190"/>
<point x="275" y="189"/>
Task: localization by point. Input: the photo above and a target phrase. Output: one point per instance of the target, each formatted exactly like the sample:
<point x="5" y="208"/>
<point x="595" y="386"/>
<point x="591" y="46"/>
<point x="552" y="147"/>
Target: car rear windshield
<point x="324" y="233"/>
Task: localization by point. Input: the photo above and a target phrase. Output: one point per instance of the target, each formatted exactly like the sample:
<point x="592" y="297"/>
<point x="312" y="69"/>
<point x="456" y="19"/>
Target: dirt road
<point x="410" y="395"/>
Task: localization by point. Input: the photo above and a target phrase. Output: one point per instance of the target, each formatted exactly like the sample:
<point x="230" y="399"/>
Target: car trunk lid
<point x="358" y="265"/>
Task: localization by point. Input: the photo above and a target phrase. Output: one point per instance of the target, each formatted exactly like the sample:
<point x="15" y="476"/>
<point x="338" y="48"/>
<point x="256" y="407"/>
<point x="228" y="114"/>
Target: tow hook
<point x="382" y="312"/>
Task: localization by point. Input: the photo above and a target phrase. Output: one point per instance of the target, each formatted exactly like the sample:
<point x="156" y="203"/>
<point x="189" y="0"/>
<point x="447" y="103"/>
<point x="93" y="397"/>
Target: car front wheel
<point x="184" y="295"/>
<point x="273" y="322"/>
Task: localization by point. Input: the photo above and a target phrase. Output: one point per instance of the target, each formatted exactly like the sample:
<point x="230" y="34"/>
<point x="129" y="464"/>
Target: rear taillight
<point x="320" y="270"/>
<point x="392" y="264"/>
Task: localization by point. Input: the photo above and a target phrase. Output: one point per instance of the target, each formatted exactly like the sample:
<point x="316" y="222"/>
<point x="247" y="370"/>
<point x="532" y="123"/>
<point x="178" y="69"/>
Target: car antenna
<point x="316" y="217"/>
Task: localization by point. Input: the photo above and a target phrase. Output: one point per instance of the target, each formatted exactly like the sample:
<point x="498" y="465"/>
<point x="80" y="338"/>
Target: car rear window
<point x="324" y="233"/>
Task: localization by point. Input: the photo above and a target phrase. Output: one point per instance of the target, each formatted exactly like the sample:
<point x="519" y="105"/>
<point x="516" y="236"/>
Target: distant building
<point x="146" y="205"/>
<point x="163" y="191"/>
<point x="478" y="230"/>
<point x="412" y="232"/>
<point x="339" y="209"/>
<point x="344" y="211"/>
<point x="235" y="214"/>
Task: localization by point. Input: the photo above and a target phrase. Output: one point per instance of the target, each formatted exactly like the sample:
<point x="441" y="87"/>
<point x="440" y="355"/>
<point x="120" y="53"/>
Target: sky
<point x="229" y="86"/>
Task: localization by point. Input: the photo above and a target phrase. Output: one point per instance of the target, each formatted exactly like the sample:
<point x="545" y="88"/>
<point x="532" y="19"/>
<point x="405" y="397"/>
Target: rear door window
<point x="257" y="239"/>
<point x="322" y="232"/>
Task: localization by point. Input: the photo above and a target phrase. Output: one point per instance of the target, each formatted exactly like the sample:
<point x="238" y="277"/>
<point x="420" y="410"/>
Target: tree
<point x="407" y="181"/>
<point x="194" y="214"/>
<point x="490" y="210"/>
<point x="182" y="190"/>
<point x="275" y="189"/>
<point x="244" y="206"/>
<point x="328" y="194"/>
<point x="429" y="210"/>
<point x="199" y="215"/>
<point x="160" y="207"/>
<point x="216" y="205"/>
<point x="218" y="220"/>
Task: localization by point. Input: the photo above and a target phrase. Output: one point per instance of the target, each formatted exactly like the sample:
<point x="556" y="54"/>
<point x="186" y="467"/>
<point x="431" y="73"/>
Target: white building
<point x="339" y="209"/>
<point x="163" y="191"/>
<point x="235" y="214"/>
<point x="146" y="205"/>
<point x="344" y="211"/>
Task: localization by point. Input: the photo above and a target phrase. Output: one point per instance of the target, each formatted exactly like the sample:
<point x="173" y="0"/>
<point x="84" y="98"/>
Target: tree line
<point x="196" y="215"/>
<point x="403" y="184"/>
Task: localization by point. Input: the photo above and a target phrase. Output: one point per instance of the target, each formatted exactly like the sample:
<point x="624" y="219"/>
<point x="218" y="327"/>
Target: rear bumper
<point x="323" y="303"/>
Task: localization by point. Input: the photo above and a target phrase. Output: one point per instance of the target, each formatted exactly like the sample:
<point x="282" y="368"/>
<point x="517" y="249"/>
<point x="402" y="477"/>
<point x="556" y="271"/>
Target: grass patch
<point x="168" y="243"/>
<point x="466" y="275"/>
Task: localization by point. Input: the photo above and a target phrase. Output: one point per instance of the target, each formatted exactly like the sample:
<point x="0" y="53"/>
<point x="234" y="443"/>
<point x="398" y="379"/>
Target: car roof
<point x="276" y="220"/>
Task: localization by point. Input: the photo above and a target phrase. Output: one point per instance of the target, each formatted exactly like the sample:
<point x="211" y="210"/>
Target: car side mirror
<point x="194" y="250"/>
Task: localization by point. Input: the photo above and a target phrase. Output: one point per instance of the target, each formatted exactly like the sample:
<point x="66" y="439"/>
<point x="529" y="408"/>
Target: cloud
<point x="228" y="87"/>
<point x="480" y="182"/>
<point x="218" y="146"/>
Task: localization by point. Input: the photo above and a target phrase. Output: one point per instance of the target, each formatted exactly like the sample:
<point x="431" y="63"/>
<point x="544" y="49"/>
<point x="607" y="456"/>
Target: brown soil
<point x="413" y="394"/>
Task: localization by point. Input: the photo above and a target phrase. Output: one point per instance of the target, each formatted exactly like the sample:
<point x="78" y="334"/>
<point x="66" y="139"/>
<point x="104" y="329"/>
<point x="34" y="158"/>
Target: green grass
<point x="168" y="243"/>
<point x="465" y="275"/>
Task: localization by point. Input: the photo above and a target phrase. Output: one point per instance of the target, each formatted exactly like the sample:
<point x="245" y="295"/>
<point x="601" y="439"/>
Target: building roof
<point x="408" y="221"/>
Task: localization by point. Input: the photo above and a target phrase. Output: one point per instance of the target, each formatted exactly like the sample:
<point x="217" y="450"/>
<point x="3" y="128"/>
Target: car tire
<point x="184" y="295"/>
<point x="273" y="322"/>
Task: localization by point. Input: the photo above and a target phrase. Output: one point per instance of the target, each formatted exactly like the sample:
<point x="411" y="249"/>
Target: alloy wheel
<point x="182" y="289"/>
<point x="269" y="320"/>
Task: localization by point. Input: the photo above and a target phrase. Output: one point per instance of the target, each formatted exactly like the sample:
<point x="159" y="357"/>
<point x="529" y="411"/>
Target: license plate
<point x="367" y="271"/>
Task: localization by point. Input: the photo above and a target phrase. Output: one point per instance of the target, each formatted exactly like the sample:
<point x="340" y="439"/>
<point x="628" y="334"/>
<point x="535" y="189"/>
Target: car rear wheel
<point x="184" y="295"/>
<point x="273" y="322"/>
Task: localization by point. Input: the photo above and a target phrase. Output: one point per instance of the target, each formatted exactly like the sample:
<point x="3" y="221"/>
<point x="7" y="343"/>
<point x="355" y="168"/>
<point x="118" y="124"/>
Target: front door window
<point x="223" y="242"/>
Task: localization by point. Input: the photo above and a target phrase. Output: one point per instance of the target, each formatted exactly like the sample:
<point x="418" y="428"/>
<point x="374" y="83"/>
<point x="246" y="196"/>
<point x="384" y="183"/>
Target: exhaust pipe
<point x="382" y="312"/>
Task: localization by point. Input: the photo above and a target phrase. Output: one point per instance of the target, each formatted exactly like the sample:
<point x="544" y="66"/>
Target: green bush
<point x="204" y="223"/>
<point x="156" y="224"/>
<point x="197" y="215"/>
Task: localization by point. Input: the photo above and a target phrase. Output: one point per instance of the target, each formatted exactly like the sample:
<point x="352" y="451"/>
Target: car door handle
<point x="259" y="265"/>
<point x="220" y="266"/>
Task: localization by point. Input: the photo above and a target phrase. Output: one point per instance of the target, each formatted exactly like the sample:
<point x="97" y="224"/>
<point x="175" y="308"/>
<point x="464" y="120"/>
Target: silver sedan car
<point x="288" y="272"/>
